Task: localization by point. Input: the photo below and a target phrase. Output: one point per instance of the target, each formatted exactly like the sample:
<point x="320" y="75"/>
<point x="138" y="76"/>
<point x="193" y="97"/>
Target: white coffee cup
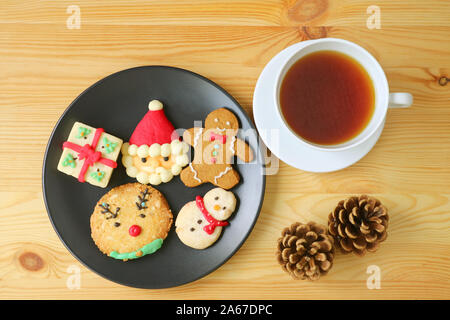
<point x="383" y="99"/>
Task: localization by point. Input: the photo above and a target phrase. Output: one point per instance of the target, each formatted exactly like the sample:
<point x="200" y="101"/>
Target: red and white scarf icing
<point x="213" y="223"/>
<point x="88" y="153"/>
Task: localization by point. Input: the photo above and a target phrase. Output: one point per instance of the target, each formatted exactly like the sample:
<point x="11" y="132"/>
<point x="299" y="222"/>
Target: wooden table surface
<point x="45" y="64"/>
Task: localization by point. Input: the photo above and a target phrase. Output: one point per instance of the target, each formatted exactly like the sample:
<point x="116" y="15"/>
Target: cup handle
<point x="400" y="100"/>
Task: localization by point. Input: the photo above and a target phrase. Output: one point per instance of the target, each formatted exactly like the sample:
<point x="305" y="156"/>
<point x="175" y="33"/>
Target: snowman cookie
<point x="215" y="145"/>
<point x="199" y="223"/>
<point x="130" y="221"/>
<point x="154" y="153"/>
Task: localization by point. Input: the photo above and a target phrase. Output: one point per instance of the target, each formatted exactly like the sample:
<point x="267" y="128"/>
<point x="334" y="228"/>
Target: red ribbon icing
<point x="220" y="137"/>
<point x="88" y="153"/>
<point x="213" y="223"/>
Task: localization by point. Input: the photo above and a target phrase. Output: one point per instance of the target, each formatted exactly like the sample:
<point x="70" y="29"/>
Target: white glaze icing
<point x="221" y="130"/>
<point x="194" y="172"/>
<point x="197" y="136"/>
<point x="221" y="174"/>
<point x="233" y="140"/>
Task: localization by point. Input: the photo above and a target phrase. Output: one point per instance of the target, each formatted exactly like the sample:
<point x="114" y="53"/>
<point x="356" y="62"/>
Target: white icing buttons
<point x="127" y="161"/>
<point x="166" y="176"/>
<point x="155" y="105"/>
<point x="125" y="147"/>
<point x="142" y="151"/>
<point x="176" y="147"/>
<point x="132" y="172"/>
<point x="132" y="150"/>
<point x="182" y="160"/>
<point x="155" y="179"/>
<point x="142" y="177"/>
<point x="176" y="169"/>
<point x="154" y="150"/>
<point x="166" y="150"/>
<point x="186" y="147"/>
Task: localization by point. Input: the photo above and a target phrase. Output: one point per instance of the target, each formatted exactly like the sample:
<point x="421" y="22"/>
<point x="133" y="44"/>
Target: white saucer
<point x="286" y="146"/>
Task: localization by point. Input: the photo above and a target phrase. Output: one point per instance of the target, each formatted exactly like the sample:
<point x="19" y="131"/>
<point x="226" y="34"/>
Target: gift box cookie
<point x="90" y="154"/>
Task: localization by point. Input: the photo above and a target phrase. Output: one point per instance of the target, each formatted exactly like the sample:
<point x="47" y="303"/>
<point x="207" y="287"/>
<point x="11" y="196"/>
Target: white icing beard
<point x="177" y="150"/>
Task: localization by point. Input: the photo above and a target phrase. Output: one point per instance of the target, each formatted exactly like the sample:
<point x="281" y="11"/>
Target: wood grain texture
<point x="44" y="66"/>
<point x="229" y="12"/>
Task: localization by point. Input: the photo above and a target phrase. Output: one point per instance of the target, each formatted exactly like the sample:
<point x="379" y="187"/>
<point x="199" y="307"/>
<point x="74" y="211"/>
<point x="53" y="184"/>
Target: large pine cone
<point x="358" y="224"/>
<point x="305" y="251"/>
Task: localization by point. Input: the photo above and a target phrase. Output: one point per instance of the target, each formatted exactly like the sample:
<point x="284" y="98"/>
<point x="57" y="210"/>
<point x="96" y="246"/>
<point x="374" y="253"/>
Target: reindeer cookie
<point x="199" y="223"/>
<point x="215" y="145"/>
<point x="130" y="221"/>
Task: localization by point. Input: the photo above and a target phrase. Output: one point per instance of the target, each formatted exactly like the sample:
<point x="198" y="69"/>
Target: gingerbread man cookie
<point x="215" y="145"/>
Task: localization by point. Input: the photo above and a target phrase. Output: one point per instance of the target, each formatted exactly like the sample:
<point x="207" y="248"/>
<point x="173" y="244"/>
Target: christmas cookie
<point x="154" y="153"/>
<point x="130" y="221"/>
<point x="199" y="223"/>
<point x="90" y="154"/>
<point x="214" y="148"/>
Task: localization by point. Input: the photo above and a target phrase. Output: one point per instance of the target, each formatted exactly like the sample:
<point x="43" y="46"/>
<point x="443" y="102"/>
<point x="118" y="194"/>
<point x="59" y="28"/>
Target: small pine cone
<point x="358" y="224"/>
<point x="305" y="251"/>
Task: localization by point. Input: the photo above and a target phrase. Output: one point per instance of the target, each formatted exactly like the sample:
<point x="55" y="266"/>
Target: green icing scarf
<point x="147" y="249"/>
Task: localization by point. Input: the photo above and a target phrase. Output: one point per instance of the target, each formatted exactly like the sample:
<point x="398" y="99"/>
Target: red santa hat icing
<point x="155" y="136"/>
<point x="154" y="127"/>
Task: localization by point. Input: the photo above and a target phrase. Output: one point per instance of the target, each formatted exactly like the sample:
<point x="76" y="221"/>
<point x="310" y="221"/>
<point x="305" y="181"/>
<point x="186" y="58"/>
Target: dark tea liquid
<point x="327" y="97"/>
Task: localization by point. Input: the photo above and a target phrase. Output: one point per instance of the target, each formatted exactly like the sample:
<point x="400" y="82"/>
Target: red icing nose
<point x="134" y="230"/>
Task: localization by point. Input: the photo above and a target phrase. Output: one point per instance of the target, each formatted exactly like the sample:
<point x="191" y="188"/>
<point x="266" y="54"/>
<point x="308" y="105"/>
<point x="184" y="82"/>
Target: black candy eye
<point x="192" y="229"/>
<point x="142" y="215"/>
<point x="144" y="160"/>
<point x="199" y="221"/>
<point x="216" y="198"/>
<point x="116" y="224"/>
<point x="166" y="158"/>
<point x="224" y="208"/>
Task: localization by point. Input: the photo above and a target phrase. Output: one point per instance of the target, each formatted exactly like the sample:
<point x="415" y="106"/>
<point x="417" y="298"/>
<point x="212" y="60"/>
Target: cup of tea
<point x="333" y="95"/>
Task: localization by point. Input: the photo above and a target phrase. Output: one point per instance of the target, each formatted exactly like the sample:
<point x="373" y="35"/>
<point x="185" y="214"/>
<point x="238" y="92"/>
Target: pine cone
<point x="358" y="224"/>
<point x="305" y="251"/>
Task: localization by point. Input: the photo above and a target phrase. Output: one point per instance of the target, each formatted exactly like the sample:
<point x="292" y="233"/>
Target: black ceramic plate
<point x="117" y="103"/>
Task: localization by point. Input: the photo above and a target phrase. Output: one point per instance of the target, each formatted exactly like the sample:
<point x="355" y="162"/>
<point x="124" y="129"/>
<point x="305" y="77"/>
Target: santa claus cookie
<point x="199" y="223"/>
<point x="215" y="145"/>
<point x="130" y="221"/>
<point x="154" y="153"/>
